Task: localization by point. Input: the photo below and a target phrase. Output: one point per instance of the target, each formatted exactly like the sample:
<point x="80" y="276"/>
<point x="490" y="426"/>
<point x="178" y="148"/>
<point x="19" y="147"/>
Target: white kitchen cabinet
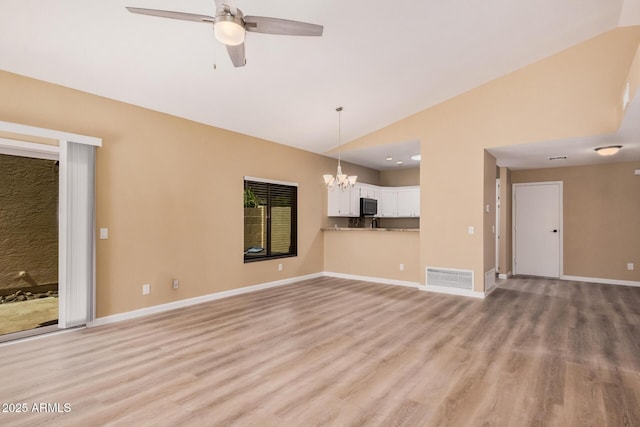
<point x="369" y="191"/>
<point x="393" y="202"/>
<point x="388" y="203"/>
<point x="408" y="202"/>
<point x="343" y="202"/>
<point x="399" y="202"/>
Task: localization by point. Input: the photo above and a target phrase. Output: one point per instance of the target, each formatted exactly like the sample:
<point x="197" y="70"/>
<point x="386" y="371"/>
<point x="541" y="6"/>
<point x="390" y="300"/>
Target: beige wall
<point x="634" y="75"/>
<point x="573" y="93"/>
<point x="170" y="192"/>
<point x="400" y="177"/>
<point x="169" y="189"/>
<point x="601" y="218"/>
<point x="373" y="254"/>
<point x="28" y="222"/>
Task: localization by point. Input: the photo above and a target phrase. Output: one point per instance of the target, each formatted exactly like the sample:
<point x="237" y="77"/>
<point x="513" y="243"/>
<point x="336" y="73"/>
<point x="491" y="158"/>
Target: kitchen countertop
<point x="370" y="229"/>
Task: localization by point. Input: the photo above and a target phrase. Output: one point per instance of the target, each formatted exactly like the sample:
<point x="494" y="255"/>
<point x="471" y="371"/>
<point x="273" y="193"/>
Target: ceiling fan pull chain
<point x="215" y="60"/>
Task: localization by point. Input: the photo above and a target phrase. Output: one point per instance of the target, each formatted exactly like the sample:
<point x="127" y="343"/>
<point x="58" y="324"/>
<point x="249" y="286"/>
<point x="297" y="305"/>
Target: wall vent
<point x="450" y="278"/>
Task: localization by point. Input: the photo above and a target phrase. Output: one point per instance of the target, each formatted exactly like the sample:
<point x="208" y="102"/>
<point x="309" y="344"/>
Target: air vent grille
<point x="450" y="278"/>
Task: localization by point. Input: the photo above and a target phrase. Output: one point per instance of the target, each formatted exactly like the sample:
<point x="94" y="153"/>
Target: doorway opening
<point x="28" y="245"/>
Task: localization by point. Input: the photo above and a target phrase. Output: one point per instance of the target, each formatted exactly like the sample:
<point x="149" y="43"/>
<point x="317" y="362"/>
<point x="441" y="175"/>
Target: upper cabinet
<point x="399" y="202"/>
<point x="388" y="203"/>
<point x="343" y="202"/>
<point x="369" y="191"/>
<point x="393" y="202"/>
<point x="409" y="202"/>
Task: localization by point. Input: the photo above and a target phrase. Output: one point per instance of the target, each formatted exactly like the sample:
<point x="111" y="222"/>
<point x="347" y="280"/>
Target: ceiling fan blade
<point x="236" y="53"/>
<point x="261" y="24"/>
<point x="170" y="14"/>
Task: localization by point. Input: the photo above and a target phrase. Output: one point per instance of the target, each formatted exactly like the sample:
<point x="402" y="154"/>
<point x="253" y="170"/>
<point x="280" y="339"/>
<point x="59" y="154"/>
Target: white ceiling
<point x="376" y="157"/>
<point x="382" y="61"/>
<point x="579" y="151"/>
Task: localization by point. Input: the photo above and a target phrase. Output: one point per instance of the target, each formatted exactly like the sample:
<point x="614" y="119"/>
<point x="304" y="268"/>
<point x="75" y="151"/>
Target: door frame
<point x="19" y="142"/>
<point x="560" y="186"/>
<point x="498" y="205"/>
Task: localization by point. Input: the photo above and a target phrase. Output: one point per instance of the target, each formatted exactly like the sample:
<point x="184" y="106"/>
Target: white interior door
<point x="537" y="231"/>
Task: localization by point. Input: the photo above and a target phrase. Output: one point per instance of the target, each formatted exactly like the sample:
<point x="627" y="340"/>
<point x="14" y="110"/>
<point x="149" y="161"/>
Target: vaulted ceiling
<point x="382" y="61"/>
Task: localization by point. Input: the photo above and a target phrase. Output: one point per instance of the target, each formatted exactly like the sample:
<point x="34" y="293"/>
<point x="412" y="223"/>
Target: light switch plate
<point x="104" y="233"/>
<point x="471" y="229"/>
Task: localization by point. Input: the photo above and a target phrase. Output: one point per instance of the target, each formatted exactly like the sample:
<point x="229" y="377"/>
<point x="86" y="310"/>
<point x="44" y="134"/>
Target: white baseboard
<point x="372" y="279"/>
<point x="491" y="288"/>
<point x="247" y="289"/>
<point x="437" y="289"/>
<point x="489" y="281"/>
<point x="453" y="291"/>
<point x="604" y="281"/>
<point x="196" y="300"/>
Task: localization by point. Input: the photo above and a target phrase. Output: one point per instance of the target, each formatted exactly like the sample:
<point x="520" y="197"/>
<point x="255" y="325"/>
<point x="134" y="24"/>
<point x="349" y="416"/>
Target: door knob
<point x="555" y="230"/>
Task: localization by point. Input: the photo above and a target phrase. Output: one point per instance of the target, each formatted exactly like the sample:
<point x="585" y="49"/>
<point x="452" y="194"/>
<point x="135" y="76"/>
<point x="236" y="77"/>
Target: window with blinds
<point x="270" y="220"/>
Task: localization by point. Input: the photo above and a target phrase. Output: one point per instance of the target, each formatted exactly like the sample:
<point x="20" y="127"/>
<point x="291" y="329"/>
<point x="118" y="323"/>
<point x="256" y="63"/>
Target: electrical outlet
<point x="471" y="230"/>
<point x="146" y="289"/>
<point x="630" y="266"/>
<point x="104" y="233"/>
<point x="176" y="283"/>
<point x="401" y="267"/>
<point x="279" y="267"/>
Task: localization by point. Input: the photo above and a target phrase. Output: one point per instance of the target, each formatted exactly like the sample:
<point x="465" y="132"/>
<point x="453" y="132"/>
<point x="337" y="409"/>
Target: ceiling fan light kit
<point x="230" y="26"/>
<point x="229" y="29"/>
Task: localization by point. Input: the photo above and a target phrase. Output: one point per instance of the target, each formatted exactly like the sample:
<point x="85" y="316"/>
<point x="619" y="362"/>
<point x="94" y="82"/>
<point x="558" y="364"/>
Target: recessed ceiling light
<point x="399" y="162"/>
<point x="389" y="158"/>
<point x="608" y="151"/>
<point x="416" y="157"/>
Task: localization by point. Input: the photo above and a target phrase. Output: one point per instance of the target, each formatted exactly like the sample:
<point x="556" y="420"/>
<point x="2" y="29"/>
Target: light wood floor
<point x="339" y="353"/>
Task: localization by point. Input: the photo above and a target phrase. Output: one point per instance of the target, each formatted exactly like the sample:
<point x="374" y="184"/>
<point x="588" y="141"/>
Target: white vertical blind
<point x="77" y="241"/>
<point x="76" y="253"/>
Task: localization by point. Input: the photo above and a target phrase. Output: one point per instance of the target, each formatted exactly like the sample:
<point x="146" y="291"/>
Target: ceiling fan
<point x="230" y="25"/>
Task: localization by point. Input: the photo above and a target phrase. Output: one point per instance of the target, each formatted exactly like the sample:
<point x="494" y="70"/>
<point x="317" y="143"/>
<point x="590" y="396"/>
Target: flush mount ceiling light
<point x="609" y="150"/>
<point x="341" y="179"/>
<point x="389" y="158"/>
<point x="399" y="162"/>
<point x="416" y="157"/>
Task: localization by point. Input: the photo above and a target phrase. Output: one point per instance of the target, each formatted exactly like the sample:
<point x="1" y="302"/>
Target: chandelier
<point x="341" y="179"/>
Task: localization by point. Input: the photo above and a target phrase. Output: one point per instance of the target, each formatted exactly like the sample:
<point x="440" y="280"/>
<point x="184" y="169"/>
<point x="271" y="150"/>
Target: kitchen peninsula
<point x="355" y="248"/>
<point x="388" y="255"/>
